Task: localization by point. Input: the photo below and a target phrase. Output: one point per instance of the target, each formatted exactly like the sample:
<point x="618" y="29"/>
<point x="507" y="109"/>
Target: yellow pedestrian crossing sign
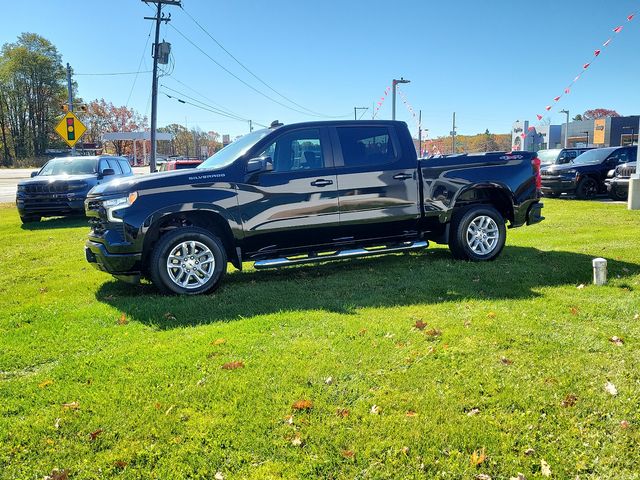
<point x="70" y="129"/>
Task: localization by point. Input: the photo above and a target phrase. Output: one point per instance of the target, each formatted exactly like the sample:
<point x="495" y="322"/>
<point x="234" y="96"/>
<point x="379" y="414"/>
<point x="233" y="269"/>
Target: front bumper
<point x="49" y="205"/>
<point x="558" y="185"/>
<point x="126" y="266"/>
<point x="617" y="184"/>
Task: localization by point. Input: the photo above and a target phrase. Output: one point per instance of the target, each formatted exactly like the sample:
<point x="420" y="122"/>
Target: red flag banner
<point x="618" y="29"/>
<point x="596" y="53"/>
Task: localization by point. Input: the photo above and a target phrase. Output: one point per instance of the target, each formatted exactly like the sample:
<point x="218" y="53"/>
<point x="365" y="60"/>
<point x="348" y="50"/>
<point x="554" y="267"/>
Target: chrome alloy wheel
<point x="482" y="235"/>
<point x="190" y="264"/>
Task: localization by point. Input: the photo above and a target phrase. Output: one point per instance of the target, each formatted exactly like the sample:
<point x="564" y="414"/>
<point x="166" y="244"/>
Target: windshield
<point x="549" y="156"/>
<point x="69" y="166"/>
<point x="234" y="150"/>
<point x="593" y="156"/>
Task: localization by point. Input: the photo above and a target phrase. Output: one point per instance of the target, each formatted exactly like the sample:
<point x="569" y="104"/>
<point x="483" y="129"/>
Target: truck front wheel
<point x="188" y="261"/>
<point x="478" y="233"/>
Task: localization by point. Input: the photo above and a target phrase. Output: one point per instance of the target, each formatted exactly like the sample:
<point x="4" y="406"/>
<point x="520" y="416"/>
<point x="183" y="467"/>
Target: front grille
<point x="53" y="187"/>
<point x="626" y="171"/>
<point x="98" y="226"/>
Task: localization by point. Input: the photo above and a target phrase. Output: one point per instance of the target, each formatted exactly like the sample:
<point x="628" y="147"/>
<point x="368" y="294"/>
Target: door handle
<point x="402" y="176"/>
<point x="321" y="182"/>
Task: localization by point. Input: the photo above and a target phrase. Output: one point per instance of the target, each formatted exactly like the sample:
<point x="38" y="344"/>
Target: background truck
<point x="307" y="192"/>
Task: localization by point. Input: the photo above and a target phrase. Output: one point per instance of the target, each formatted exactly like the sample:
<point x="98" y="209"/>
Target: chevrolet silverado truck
<point x="307" y="192"/>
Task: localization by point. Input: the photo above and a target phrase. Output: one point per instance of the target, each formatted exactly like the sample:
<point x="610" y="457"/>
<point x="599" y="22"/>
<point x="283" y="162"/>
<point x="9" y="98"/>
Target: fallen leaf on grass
<point x="529" y="451"/>
<point x="624" y="424"/>
<point x="329" y="381"/>
<point x="519" y="477"/>
<point x="50" y="441"/>
<point x="482" y="476"/>
<point x="57" y="475"/>
<point x="169" y="316"/>
<point x="580" y="287"/>
<point x="289" y="419"/>
<point x="218" y="341"/>
<point x="434" y="332"/>
<point x="123" y="319"/>
<point x="71" y="406"/>
<point x="45" y="383"/>
<point x="169" y="410"/>
<point x="472" y="412"/>
<point x="617" y="341"/>
<point x="347" y="453"/>
<point x="362" y="332"/>
<point x="233" y="365"/>
<point x="411" y="413"/>
<point x="610" y="388"/>
<point x="342" y="412"/>
<point x="297" y="441"/>
<point x="375" y="410"/>
<point x="94" y="435"/>
<point x="545" y="469"/>
<point x="636" y="316"/>
<point x="120" y="464"/>
<point x="569" y="401"/>
<point x="218" y="476"/>
<point x="478" y="457"/>
<point x="57" y="424"/>
<point x="506" y="361"/>
<point x="302" y="405"/>
<point x="574" y="311"/>
<point x="405" y="451"/>
<point x="420" y="325"/>
<point x="491" y="315"/>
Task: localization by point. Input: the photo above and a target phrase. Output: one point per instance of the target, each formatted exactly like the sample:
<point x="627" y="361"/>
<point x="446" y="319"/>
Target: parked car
<point x="617" y="181"/>
<point x="560" y="156"/>
<point x="305" y="193"/>
<point x="60" y="187"/>
<point x="585" y="176"/>
<point x="179" y="164"/>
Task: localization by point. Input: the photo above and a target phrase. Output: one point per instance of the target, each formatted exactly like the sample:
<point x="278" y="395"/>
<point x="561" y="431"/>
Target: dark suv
<point x="585" y="176"/>
<point x="618" y="181"/>
<point x="61" y="185"/>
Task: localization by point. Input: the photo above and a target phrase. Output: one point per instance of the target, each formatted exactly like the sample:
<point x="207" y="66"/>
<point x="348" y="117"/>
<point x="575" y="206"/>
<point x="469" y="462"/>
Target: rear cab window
<point x="367" y="145"/>
<point x="113" y="164"/>
<point x="125" y="167"/>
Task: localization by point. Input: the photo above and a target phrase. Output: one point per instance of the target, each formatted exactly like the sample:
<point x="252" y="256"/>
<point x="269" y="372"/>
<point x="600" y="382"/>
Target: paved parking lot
<point x="9" y="178"/>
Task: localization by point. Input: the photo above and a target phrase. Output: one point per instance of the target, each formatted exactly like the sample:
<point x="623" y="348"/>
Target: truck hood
<point x="89" y="178"/>
<point x="567" y="166"/>
<point x="159" y="180"/>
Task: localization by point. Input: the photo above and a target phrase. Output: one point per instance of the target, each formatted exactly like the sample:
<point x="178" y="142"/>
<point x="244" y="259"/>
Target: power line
<point x="113" y="73"/>
<point x="253" y="74"/>
<point x="223" y="111"/>
<point x="238" y="78"/>
<point x="135" y="79"/>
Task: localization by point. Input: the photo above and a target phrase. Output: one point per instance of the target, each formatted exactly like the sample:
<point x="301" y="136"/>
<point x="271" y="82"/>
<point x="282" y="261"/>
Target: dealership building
<point x="603" y="132"/>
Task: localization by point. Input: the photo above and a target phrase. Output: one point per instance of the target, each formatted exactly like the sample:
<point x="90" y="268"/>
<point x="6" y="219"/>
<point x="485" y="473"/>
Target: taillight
<point x="536" y="167"/>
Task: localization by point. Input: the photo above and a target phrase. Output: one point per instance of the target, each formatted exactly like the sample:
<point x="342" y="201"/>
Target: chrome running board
<point x="338" y="255"/>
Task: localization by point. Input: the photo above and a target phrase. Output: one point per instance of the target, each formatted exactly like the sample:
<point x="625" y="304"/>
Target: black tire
<point x="587" y="188"/>
<point x="30" y="218"/>
<point x="160" y="272"/>
<point x="460" y="228"/>
<point x="617" y="195"/>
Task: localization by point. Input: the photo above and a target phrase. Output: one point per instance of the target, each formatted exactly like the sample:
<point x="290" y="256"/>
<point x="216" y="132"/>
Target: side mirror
<point x="34" y="174"/>
<point x="106" y="172"/>
<point x="260" y="164"/>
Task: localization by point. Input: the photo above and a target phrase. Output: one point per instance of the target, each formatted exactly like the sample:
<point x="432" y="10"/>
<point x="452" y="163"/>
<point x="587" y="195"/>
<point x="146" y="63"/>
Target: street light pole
<point x="587" y="134"/>
<point x="566" y="130"/>
<point x="355" y="111"/>
<point x="393" y="88"/>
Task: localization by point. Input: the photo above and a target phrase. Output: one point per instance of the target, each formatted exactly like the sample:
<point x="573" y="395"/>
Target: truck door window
<point x="298" y="150"/>
<point x="113" y="164"/>
<point x="366" y="146"/>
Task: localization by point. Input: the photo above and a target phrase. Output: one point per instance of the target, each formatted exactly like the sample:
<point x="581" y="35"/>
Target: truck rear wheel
<point x="188" y="261"/>
<point x="478" y="233"/>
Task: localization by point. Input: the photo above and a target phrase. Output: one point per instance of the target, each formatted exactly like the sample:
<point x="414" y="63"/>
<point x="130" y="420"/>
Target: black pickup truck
<point x="304" y="193"/>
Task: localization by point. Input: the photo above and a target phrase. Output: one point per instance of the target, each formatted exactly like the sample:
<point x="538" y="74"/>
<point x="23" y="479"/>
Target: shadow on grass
<point x="72" y="221"/>
<point x="396" y="280"/>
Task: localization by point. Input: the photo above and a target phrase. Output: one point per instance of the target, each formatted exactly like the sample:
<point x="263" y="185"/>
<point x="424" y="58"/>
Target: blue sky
<point x="491" y="62"/>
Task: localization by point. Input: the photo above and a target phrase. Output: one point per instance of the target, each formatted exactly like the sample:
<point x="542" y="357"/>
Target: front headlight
<point x="21" y="188"/>
<point x="119" y="203"/>
<point x="611" y="173"/>
<point x="570" y="172"/>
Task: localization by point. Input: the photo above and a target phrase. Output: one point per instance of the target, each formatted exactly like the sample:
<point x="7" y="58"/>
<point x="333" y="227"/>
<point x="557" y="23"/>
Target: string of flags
<point x="381" y="101"/>
<point x="416" y="118"/>
<point x="596" y="54"/>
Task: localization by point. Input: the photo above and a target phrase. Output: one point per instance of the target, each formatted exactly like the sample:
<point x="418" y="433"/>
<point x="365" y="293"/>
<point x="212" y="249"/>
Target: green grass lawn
<point x="410" y="366"/>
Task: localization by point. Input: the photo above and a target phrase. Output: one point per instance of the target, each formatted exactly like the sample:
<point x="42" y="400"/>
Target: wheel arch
<point x="217" y="222"/>
<point x="498" y="196"/>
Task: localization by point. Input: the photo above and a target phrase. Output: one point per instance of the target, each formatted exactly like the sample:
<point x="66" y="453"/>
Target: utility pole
<point x="566" y="130"/>
<point x="154" y="85"/>
<point x="70" y="99"/>
<point x="250" y="126"/>
<point x="453" y="135"/>
<point x="419" y="133"/>
<point x="393" y="88"/>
